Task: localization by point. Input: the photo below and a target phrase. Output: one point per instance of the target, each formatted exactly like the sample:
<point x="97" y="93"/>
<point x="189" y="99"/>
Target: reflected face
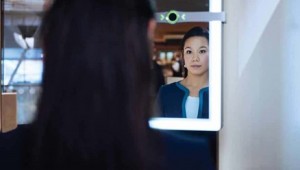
<point x="195" y="54"/>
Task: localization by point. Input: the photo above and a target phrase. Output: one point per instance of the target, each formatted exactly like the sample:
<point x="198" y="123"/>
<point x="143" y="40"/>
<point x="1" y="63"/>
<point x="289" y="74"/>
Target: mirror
<point x="192" y="102"/>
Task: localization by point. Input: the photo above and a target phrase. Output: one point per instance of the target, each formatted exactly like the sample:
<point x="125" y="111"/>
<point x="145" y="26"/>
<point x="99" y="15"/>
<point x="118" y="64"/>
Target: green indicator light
<point x="183" y="16"/>
<point x="172" y="17"/>
<point x="162" y="17"/>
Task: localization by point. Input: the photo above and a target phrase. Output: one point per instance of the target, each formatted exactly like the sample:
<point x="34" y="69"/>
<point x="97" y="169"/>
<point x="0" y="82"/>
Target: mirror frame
<point x="215" y="17"/>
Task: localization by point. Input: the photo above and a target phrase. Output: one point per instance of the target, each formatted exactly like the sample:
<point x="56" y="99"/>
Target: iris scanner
<point x="174" y="17"/>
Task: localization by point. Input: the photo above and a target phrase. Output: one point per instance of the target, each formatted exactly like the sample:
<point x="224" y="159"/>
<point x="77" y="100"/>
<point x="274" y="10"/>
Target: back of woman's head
<point x="96" y="86"/>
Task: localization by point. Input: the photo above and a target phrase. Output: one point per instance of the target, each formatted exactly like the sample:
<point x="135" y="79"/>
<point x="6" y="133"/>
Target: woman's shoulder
<point x="168" y="87"/>
<point x="204" y="90"/>
<point x="173" y="89"/>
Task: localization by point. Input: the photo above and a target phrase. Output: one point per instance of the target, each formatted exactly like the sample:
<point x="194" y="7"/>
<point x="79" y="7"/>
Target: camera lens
<point x="172" y="17"/>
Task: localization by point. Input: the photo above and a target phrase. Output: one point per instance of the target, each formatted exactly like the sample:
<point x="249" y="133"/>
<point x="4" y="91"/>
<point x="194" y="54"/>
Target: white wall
<point x="261" y="89"/>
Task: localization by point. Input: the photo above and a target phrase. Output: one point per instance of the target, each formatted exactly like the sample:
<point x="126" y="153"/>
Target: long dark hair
<point x="95" y="104"/>
<point x="195" y="31"/>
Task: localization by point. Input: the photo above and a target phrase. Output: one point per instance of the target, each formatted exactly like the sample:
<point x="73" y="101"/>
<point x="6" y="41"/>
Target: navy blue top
<point x="172" y="97"/>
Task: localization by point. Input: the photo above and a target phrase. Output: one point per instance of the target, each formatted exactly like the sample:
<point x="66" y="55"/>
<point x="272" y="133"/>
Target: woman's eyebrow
<point x="203" y="47"/>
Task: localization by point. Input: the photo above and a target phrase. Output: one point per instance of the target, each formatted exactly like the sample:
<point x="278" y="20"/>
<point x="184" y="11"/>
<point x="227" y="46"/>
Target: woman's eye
<point x="202" y="51"/>
<point x="188" y="52"/>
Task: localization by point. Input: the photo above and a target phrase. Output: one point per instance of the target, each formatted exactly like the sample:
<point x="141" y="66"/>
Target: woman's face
<point x="195" y="54"/>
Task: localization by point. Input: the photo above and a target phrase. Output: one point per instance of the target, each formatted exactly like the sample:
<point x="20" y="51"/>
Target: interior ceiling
<point x="24" y="5"/>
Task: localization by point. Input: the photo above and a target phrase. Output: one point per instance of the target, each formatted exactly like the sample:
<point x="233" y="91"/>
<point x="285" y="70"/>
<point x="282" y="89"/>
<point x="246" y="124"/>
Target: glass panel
<point x="168" y="39"/>
<point x="22" y="63"/>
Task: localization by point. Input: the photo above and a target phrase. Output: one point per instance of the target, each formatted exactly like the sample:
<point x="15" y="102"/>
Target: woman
<point x="189" y="97"/>
<point x="94" y="108"/>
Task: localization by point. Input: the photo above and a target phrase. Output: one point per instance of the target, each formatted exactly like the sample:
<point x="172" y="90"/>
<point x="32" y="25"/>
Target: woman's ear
<point x="151" y="29"/>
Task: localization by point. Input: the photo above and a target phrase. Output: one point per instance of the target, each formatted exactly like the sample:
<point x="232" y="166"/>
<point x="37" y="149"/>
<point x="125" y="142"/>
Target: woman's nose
<point x="196" y="57"/>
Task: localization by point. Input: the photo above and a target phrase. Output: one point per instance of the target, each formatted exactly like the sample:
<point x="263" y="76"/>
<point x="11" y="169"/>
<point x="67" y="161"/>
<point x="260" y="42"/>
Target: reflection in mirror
<point x="184" y="51"/>
<point x="187" y="65"/>
<point x="183" y="61"/>
<point x="182" y="5"/>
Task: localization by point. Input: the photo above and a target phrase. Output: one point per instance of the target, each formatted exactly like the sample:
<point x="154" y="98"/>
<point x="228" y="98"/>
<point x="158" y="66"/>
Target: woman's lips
<point x="195" y="66"/>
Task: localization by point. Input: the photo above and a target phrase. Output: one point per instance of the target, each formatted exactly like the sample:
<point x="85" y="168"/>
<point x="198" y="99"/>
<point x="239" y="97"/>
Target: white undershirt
<point x="192" y="107"/>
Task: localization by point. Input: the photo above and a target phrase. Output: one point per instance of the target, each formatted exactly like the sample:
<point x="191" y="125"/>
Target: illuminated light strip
<point x="181" y="124"/>
<point x="215" y="5"/>
<point x="215" y="65"/>
<point x="215" y="73"/>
